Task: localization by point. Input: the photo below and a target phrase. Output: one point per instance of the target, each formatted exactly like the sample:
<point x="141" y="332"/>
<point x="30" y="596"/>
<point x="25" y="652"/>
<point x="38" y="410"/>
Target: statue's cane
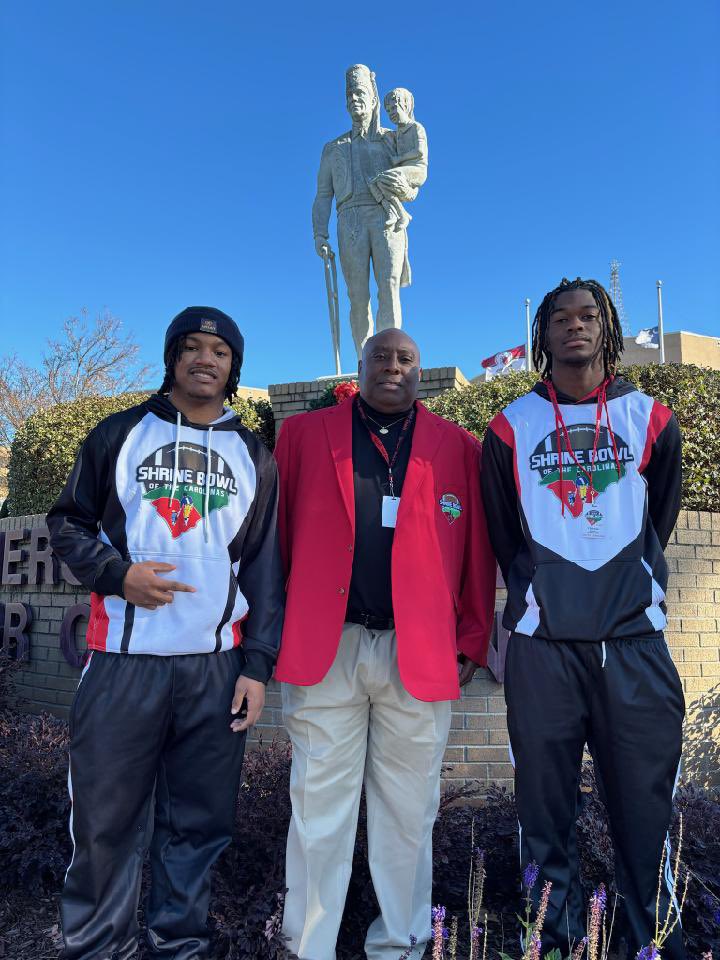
<point x="333" y="306"/>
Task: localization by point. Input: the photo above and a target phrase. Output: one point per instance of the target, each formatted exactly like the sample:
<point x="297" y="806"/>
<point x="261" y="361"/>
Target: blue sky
<point x="156" y="154"/>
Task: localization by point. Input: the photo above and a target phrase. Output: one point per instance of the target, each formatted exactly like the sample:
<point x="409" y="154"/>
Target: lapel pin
<point x="451" y="506"/>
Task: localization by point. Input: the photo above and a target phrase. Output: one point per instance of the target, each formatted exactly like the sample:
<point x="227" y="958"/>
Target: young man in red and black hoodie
<point x="169" y="518"/>
<point x="581" y="481"/>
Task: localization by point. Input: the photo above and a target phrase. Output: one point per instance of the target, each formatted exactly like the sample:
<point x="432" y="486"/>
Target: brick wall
<point x="290" y="398"/>
<point x="478" y="739"/>
<point x="46" y="681"/>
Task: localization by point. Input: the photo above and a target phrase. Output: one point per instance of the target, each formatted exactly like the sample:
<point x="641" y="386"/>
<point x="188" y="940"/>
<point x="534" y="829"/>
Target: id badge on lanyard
<point x="391" y="504"/>
<point x="390" y="507"/>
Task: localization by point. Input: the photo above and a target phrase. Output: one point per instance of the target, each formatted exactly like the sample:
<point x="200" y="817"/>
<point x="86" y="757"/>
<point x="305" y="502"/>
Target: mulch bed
<point x="29" y="929"/>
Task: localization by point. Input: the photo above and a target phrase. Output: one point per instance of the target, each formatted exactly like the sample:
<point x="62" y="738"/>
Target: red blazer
<point x="443" y="569"/>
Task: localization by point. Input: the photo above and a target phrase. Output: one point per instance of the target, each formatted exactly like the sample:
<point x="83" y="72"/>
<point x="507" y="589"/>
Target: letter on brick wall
<point x="11" y="558"/>
<point x="67" y="634"/>
<point x="42" y="563"/>
<point x="16" y="620"/>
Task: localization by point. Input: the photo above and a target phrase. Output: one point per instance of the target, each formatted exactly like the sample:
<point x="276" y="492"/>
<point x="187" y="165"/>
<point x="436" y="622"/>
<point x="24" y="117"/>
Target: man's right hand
<point x="322" y="247"/>
<point x="396" y="182"/>
<point x="144" y="588"/>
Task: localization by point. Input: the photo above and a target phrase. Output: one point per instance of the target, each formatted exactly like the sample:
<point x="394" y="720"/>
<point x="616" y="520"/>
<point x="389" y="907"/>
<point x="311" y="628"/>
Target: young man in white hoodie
<point x="169" y="518"/>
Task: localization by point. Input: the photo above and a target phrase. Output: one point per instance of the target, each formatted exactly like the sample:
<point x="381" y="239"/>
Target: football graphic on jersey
<point x="179" y="496"/>
<point x="585" y="460"/>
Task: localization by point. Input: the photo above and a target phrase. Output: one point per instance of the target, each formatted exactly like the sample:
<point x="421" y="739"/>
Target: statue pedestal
<point x="290" y="398"/>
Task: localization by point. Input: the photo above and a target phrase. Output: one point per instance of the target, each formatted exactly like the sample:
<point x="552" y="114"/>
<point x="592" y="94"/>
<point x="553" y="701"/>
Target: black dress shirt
<point x="371" y="584"/>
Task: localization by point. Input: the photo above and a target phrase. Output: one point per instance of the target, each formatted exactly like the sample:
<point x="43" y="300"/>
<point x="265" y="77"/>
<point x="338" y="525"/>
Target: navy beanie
<point x="205" y="320"/>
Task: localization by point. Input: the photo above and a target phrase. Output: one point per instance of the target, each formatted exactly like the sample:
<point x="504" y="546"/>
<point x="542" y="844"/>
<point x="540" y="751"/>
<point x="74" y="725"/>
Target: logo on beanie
<point x="179" y="495"/>
<point x="208" y="326"/>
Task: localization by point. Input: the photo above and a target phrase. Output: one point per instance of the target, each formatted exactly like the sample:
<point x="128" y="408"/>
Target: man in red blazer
<point x="390" y="597"/>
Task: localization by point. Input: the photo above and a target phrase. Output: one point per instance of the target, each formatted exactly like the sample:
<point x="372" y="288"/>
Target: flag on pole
<point x="649" y="337"/>
<point x="505" y="362"/>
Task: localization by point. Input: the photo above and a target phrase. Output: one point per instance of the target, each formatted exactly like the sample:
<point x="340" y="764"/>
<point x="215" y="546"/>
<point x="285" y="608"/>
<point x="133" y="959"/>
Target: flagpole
<point x="661" y="335"/>
<point x="528" y="345"/>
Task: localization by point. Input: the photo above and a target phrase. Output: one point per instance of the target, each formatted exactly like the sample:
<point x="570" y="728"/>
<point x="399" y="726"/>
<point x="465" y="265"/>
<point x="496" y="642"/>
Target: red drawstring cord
<point x="561" y="432"/>
<point x="558" y="439"/>
<point x="612" y="437"/>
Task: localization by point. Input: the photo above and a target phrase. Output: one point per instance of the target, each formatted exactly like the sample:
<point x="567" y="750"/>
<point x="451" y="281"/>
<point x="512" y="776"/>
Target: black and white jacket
<point x="149" y="485"/>
<point x="583" y="561"/>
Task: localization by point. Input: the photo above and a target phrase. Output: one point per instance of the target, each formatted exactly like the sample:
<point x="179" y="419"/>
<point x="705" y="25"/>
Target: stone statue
<point x="410" y="153"/>
<point x="371" y="172"/>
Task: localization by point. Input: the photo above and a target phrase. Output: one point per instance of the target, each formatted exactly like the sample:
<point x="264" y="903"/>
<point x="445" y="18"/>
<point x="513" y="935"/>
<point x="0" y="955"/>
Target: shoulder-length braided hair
<point x="612" y="339"/>
<point x="174" y="354"/>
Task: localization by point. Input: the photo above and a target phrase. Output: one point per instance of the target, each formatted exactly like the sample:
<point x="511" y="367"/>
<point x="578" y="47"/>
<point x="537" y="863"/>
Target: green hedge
<point x="44" y="449"/>
<point x="692" y="393"/>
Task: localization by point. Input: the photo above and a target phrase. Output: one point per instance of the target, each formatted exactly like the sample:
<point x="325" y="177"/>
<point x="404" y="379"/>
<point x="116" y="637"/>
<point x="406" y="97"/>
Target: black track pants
<point x="561" y="696"/>
<point x="141" y="725"/>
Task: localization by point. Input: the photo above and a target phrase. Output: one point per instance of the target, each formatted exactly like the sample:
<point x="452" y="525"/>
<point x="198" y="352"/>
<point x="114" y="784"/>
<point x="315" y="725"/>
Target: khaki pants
<point x="360" y="723"/>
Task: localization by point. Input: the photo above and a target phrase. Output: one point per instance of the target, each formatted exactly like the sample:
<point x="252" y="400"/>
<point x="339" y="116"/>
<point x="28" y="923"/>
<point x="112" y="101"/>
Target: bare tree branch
<point x="22" y="392"/>
<point x="88" y="359"/>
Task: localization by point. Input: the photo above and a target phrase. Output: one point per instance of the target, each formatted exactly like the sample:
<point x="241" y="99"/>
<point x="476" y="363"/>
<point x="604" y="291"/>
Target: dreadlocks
<point x="612" y="341"/>
<point x="174" y="354"/>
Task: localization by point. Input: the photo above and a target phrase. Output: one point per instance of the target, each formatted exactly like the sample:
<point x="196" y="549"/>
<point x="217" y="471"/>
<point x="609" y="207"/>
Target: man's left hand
<point x="252" y="692"/>
<point x="466" y="669"/>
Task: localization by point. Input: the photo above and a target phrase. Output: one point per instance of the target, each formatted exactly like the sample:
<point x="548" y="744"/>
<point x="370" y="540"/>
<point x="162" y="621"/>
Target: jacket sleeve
<point x="663" y="474"/>
<point x="476" y="607"/>
<point x="260" y="578"/>
<point x="74" y="520"/>
<point x="500" y="493"/>
<point x="284" y="462"/>
<point x="322" y="204"/>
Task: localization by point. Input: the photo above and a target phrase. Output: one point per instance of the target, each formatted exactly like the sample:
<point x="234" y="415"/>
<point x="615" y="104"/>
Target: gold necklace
<point x="384" y="429"/>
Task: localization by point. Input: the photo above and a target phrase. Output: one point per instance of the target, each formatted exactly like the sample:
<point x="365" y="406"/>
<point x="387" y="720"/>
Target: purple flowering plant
<point x="601" y="914"/>
<point x="530" y="875"/>
<point x="410" y="950"/>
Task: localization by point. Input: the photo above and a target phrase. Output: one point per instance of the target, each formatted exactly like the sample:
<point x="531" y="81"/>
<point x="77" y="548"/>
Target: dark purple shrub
<point x="700" y="810"/>
<point x="492" y="825"/>
<point x="249" y="881"/>
<point x="34" y="837"/>
<point x="597" y="857"/>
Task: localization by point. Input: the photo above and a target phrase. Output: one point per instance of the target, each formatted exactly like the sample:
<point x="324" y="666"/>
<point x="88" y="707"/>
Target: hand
<point x="323" y="248"/>
<point x="466" y="669"/>
<point x="253" y="693"/>
<point x="396" y="182"/>
<point x="143" y="588"/>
